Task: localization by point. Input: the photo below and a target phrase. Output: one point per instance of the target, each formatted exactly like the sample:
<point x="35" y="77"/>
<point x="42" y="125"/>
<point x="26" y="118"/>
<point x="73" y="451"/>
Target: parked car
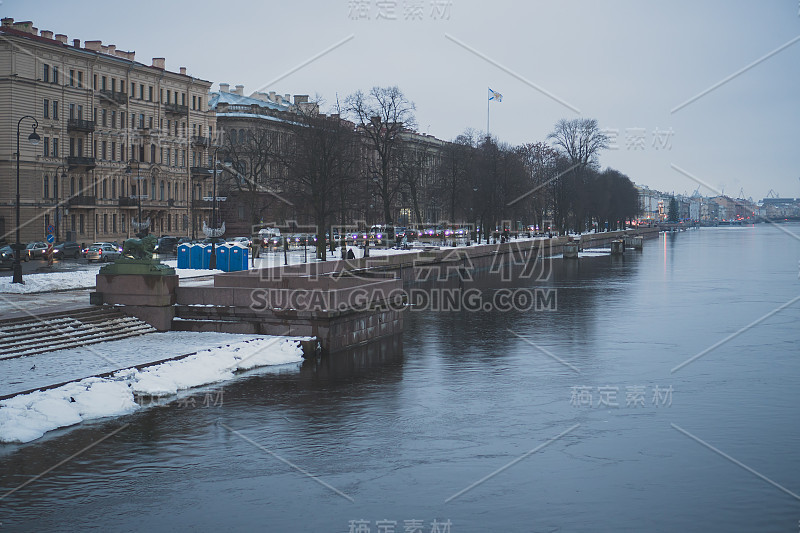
<point x="103" y="252"/>
<point x="67" y="249"/>
<point x="34" y="250"/>
<point x="6" y="257"/>
<point x="166" y="245"/>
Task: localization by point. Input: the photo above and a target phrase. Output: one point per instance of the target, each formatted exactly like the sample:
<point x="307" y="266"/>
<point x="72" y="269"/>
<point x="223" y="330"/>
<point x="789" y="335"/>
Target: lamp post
<point x="59" y="177"/>
<point x="129" y="170"/>
<point x="33" y="138"/>
<point x="212" y="262"/>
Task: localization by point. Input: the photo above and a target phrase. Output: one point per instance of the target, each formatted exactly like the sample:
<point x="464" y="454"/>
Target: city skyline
<point x="692" y="96"/>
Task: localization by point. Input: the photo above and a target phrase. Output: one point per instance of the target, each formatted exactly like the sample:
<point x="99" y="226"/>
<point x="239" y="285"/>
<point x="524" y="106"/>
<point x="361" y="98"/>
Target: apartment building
<point x="115" y="136"/>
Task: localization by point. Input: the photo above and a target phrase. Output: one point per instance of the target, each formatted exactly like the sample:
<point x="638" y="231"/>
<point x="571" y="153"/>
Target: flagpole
<point x="488" y="107"/>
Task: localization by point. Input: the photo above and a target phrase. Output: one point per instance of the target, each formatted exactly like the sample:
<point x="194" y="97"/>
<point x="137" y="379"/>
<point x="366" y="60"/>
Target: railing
<point x="82" y="200"/>
<point x="200" y="141"/>
<point x="80" y="161"/>
<point x="201" y="203"/>
<point x="79" y="124"/>
<point x="116" y="97"/>
<point x="176" y="108"/>
<point x="127" y="202"/>
<point x="200" y="171"/>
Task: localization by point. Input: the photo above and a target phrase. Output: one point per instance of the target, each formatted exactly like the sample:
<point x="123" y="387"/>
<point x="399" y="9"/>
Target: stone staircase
<point x="57" y="331"/>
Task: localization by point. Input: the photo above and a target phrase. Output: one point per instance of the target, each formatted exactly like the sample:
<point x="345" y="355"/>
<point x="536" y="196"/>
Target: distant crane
<point x="741" y="193"/>
<point x="773" y="194"/>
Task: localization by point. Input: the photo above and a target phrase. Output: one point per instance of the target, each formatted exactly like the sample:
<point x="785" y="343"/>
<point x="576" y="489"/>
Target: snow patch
<point x="27" y="417"/>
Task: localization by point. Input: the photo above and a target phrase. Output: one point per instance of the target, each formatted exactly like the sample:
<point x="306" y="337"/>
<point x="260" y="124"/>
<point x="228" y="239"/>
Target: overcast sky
<point x="628" y="64"/>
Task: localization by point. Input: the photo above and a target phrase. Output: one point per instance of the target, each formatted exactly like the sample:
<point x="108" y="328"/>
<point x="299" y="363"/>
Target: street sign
<point x="50" y="238"/>
<point x="50" y="228"/>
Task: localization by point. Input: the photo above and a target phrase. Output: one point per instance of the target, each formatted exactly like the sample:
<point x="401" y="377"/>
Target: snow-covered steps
<point x="55" y="331"/>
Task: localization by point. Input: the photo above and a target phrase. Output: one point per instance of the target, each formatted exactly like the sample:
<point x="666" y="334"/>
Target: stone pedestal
<point x="571" y="250"/>
<point x="149" y="297"/>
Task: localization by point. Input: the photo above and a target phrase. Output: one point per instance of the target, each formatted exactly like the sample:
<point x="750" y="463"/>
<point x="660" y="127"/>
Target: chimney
<point x="183" y="71"/>
<point x="239" y="90"/>
<point x="94" y="46"/>
<point x="287" y="99"/>
<point x="7" y="21"/>
<point x="224" y="87"/>
<point x="76" y="43"/>
<point x="130" y="55"/>
<point x="272" y="96"/>
<point x="104" y="49"/>
<point x="112" y="49"/>
<point x="34" y="31"/>
<point x="23" y="26"/>
<point x="300" y="99"/>
<point x="60" y="37"/>
<point x="158" y="62"/>
<point x="47" y="34"/>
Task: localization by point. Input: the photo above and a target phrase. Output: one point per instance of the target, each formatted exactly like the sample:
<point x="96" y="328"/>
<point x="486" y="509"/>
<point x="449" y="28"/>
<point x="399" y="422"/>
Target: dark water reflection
<point x="401" y="432"/>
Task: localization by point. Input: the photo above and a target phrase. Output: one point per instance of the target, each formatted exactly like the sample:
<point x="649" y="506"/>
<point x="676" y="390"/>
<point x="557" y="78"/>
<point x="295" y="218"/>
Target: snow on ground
<point x="18" y="374"/>
<point x="51" y="281"/>
<point x="27" y="417"/>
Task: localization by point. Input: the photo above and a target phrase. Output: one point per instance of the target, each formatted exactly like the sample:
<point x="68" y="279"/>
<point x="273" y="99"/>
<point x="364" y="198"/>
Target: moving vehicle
<point x="102" y="252"/>
<point x="166" y="245"/>
<point x="242" y="241"/>
<point x="67" y="249"/>
<point x="6" y="257"/>
<point x="34" y="250"/>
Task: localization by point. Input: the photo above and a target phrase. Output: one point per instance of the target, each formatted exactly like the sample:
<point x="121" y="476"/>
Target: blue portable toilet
<point x="245" y="257"/>
<point x="207" y="256"/>
<point x="238" y="254"/>
<point x="184" y="258"/>
<point x="196" y="256"/>
<point x="223" y="258"/>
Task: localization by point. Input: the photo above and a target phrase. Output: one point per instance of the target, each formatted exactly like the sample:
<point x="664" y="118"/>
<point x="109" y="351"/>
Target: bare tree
<point x="580" y="139"/>
<point x="253" y="175"/>
<point x="321" y="159"/>
<point x="382" y="115"/>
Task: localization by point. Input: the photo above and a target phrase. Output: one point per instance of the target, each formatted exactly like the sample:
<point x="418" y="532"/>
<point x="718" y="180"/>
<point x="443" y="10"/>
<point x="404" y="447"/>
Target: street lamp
<point x="33" y="138"/>
<point x="59" y="177"/>
<point x="129" y="170"/>
<point x="212" y="262"/>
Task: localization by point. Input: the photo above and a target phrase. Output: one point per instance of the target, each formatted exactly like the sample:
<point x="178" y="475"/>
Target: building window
<point x="114" y="222"/>
<point x="114" y="85"/>
<point x="46" y="146"/>
<point x="46" y="108"/>
<point x="82" y="227"/>
<point x="46" y="182"/>
<point x="122" y="219"/>
<point x="46" y="73"/>
<point x="194" y="102"/>
<point x="150" y="122"/>
<point x="55" y="74"/>
<point x="72" y="146"/>
<point x="152" y="188"/>
<point x="94" y="82"/>
<point x="168" y="95"/>
<point x="113" y="119"/>
<point x="103" y="152"/>
<point x="55" y="109"/>
<point x="71" y="111"/>
<point x="105" y="189"/>
<point x="161" y="192"/>
<point x="113" y="151"/>
<point x="150" y="93"/>
<point x="103" y="83"/>
<point x="133" y="90"/>
<point x="55" y="147"/>
<point x="72" y="78"/>
<point x="141" y="91"/>
<point x="72" y="190"/>
<point x="141" y="120"/>
<point x="55" y="186"/>
<point x="114" y="190"/>
<point x="103" y="114"/>
<point x="80" y="79"/>
<point x="72" y="222"/>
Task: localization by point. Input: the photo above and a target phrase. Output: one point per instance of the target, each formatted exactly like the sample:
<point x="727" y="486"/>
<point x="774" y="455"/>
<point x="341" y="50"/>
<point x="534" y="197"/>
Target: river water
<point x="628" y="407"/>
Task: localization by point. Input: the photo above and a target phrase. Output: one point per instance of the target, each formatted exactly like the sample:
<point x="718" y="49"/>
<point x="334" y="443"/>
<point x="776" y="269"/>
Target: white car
<point x="242" y="241"/>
